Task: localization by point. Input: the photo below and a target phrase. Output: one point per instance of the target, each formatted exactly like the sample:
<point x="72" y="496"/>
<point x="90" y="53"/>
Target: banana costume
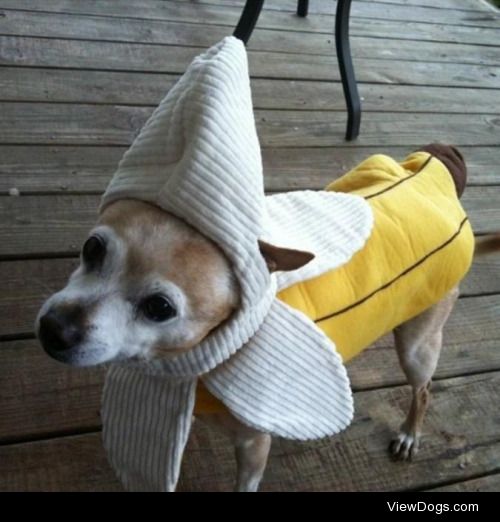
<point x="274" y="364"/>
<point x="421" y="246"/>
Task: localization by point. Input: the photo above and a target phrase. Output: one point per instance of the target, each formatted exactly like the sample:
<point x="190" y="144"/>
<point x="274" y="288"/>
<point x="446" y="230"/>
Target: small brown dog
<point x="139" y="292"/>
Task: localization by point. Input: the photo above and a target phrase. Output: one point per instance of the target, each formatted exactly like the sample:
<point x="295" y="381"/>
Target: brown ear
<point x="278" y="258"/>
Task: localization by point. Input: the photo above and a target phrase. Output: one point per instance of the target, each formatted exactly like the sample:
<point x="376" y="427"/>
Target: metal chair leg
<point x="302" y="8"/>
<point x="346" y="69"/>
<point x="248" y="19"/>
<point x="246" y="25"/>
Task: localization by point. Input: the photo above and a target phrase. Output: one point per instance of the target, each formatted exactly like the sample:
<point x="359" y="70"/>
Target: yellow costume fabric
<point x="421" y="247"/>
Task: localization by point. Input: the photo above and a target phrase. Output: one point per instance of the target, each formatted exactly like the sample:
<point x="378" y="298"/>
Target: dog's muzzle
<point x="61" y="329"/>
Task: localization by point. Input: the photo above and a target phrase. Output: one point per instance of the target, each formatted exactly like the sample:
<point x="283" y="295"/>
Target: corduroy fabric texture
<point x="331" y="225"/>
<point x="290" y="382"/>
<point x="198" y="157"/>
<point x="146" y="424"/>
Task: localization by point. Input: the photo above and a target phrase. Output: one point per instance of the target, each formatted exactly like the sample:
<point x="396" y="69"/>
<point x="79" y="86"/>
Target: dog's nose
<point x="61" y="329"/>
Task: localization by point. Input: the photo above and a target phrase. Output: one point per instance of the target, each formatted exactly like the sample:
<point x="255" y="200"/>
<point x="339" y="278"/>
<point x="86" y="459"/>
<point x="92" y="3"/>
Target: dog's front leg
<point x="251" y="448"/>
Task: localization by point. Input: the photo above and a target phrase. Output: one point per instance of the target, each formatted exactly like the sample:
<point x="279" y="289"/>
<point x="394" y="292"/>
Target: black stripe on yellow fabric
<point x="386" y="285"/>
<point x="401" y="180"/>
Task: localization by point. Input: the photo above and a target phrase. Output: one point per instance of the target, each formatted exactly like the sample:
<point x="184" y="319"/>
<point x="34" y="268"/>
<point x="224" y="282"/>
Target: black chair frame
<point x="246" y="25"/>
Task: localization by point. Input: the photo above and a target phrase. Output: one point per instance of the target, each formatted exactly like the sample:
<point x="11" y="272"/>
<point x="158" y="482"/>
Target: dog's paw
<point x="404" y="446"/>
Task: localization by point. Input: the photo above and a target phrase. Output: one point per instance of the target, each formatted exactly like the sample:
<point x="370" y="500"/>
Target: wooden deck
<point x="78" y="80"/>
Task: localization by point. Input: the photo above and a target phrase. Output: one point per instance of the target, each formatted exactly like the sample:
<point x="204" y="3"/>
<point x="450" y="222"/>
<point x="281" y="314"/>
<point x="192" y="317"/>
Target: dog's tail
<point x="487" y="245"/>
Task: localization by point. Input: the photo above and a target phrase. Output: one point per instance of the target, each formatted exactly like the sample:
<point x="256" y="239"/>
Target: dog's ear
<point x="278" y="258"/>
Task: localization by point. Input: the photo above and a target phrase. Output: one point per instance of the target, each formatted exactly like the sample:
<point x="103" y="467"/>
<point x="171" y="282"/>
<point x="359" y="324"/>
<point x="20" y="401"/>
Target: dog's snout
<point x="61" y="329"/>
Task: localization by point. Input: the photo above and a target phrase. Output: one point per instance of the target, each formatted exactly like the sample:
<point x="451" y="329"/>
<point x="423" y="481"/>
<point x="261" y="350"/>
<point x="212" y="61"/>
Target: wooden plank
<point x="39" y="52"/>
<point x="289" y="168"/>
<point x="470" y="5"/>
<point x="326" y="6"/>
<point x="41" y="397"/>
<point x="76" y="54"/>
<point x="321" y="128"/>
<point x="27" y="283"/>
<point x="219" y="22"/>
<point x="105" y="87"/>
<point x="475" y="14"/>
<point x="460" y="442"/>
<point x="489" y="483"/>
<point x="83" y="124"/>
<point x="47" y="169"/>
<point x="25" y="286"/>
<point x="76" y="463"/>
<point x="57" y="169"/>
<point x="481" y="204"/>
<point x="55" y="225"/>
<point x="70" y="124"/>
<point x="483" y="277"/>
<point x="208" y="13"/>
<point x="29" y="51"/>
<point x="46" y="218"/>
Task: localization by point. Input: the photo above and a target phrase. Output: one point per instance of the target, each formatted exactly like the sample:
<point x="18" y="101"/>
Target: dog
<point x="149" y="286"/>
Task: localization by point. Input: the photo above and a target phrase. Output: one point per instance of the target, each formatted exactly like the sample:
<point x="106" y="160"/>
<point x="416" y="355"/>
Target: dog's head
<point x="148" y="286"/>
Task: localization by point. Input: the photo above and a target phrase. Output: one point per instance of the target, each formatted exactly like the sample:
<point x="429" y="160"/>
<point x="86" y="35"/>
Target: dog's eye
<point x="93" y="252"/>
<point x="157" y="308"/>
